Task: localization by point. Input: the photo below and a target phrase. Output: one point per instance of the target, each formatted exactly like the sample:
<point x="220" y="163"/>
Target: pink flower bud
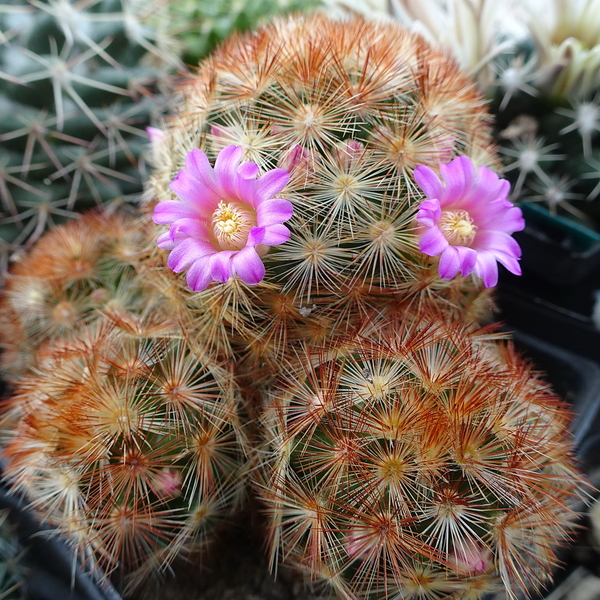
<point x="167" y="483"/>
<point x="471" y="557"/>
<point x="156" y="135"/>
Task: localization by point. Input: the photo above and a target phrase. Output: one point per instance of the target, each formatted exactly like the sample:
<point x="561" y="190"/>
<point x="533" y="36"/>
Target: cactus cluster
<point x="79" y="84"/>
<point x="404" y="451"/>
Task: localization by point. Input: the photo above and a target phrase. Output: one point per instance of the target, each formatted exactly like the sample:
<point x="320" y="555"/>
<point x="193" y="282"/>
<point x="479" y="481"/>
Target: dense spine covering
<point x="419" y="460"/>
<point x="349" y="109"/>
<point x="129" y="444"/>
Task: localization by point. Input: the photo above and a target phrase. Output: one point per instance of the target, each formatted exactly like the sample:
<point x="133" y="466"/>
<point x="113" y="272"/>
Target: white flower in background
<point x="475" y="31"/>
<point x="567" y="36"/>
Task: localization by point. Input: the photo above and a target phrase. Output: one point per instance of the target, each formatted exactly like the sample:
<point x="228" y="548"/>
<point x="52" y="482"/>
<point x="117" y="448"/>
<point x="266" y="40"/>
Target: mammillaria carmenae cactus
<point x="349" y="110"/>
<point x="130" y="444"/>
<point x="417" y="461"/>
<point x="78" y="82"/>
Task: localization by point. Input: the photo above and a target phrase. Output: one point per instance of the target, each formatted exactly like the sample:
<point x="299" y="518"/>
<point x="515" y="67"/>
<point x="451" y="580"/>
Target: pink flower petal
<point x="199" y="196"/>
<point x="433" y="242"/>
<point x="187" y="252"/>
<point x="276" y="210"/>
<point x="220" y="265"/>
<point x="248" y="265"/>
<point x="269" y="185"/>
<point x="467" y="258"/>
<point x="226" y="167"/>
<point x="429" y="213"/>
<point x="196" y="163"/>
<point x="248" y="170"/>
<point x="459" y="175"/>
<point x="167" y="211"/>
<point x="449" y="263"/>
<point x="497" y="240"/>
<point x="429" y="182"/>
<point x="272" y="235"/>
<point x="165" y="241"/>
<point x="508" y="261"/>
<point x="196" y="228"/>
<point x="198" y="275"/>
<point x="487" y="268"/>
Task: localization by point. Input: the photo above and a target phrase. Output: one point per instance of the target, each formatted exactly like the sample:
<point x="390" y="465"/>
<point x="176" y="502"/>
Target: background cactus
<point x="349" y="109"/>
<point x="202" y="25"/>
<point x="417" y="460"/>
<point x="12" y="570"/>
<point x="79" y="86"/>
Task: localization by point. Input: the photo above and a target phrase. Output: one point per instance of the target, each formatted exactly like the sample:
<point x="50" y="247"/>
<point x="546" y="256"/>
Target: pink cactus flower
<point x="226" y="220"/>
<point x="471" y="557"/>
<point x="468" y="221"/>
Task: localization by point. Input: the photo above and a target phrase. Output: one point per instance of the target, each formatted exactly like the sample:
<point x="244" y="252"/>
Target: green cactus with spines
<point x="416" y="459"/>
<point x="203" y="25"/>
<point x="12" y="570"/>
<point x="349" y="109"/>
<point x="548" y="126"/>
<point x="79" y="84"/>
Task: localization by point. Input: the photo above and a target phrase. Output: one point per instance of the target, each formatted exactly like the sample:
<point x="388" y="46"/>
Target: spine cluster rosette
<point x="417" y="461"/>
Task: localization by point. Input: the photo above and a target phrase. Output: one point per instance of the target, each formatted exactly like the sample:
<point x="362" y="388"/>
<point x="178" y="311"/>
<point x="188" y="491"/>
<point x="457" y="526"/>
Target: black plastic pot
<point x="557" y="249"/>
<point x="53" y="570"/>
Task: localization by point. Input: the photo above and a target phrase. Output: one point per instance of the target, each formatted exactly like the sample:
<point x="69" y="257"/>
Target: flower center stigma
<point x="232" y="224"/>
<point x="458" y="227"/>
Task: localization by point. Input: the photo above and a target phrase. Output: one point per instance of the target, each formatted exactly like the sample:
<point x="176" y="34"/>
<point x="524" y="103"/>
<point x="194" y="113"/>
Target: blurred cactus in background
<point x="79" y="84"/>
<point x="201" y="25"/>
<point x="417" y="460"/>
<point x="12" y="570"/>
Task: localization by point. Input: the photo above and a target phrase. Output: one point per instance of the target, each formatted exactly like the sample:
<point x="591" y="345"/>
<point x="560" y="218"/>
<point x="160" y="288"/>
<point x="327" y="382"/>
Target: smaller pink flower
<point x="468" y="221"/>
<point x="471" y="557"/>
<point x="226" y="220"/>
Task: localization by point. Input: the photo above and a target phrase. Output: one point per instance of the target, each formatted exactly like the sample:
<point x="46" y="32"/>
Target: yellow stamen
<point x="231" y="225"/>
<point x="458" y="227"/>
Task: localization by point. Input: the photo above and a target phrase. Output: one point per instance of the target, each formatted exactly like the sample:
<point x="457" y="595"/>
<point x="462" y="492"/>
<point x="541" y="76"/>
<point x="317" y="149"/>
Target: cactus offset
<point x="420" y="460"/>
<point x="75" y="274"/>
<point x="129" y="444"/>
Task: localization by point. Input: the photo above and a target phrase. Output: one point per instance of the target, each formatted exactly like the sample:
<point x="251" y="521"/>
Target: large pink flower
<point x="226" y="219"/>
<point x="468" y="221"/>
